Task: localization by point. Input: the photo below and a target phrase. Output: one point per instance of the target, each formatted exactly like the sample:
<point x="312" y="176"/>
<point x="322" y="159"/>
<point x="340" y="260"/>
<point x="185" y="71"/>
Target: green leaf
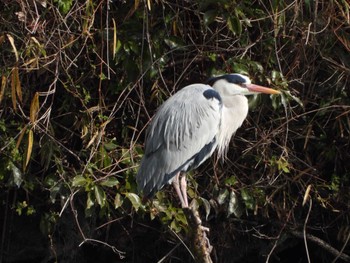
<point x="234" y="206"/>
<point x="110" y="146"/>
<point x="89" y="202"/>
<point x="234" y="24"/>
<point x="118" y="201"/>
<point x="180" y="217"/>
<point x="17" y="175"/>
<point x="206" y="205"/>
<point x="240" y="68"/>
<point x="79" y="180"/>
<point x="110" y="182"/>
<point x="64" y="5"/>
<point x="100" y="196"/>
<point x="248" y="199"/>
<point x="135" y="200"/>
<point x="209" y="17"/>
<point x="174" y="42"/>
<point x="231" y="181"/>
<point x="174" y="225"/>
<point x="223" y="194"/>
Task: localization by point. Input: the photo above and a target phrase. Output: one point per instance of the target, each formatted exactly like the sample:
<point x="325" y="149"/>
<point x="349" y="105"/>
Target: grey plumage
<point x="182" y="127"/>
<point x="189" y="126"/>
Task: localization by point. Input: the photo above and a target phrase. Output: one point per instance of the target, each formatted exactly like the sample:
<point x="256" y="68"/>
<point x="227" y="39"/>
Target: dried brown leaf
<point x="13" y="91"/>
<point x="34" y="108"/>
<point x="12" y="41"/>
<point x="23" y="131"/>
<point x="3" y="87"/>
<point x="29" y="148"/>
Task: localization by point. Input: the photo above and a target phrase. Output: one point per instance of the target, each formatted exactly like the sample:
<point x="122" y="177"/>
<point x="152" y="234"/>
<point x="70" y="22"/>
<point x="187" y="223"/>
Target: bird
<point x="189" y="126"/>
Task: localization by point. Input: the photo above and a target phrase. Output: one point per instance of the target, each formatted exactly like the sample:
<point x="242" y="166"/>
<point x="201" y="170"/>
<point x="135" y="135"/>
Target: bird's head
<point x="237" y="84"/>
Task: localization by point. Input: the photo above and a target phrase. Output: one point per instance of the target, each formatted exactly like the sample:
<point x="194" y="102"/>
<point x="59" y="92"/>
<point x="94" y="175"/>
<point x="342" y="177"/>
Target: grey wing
<point x="180" y="137"/>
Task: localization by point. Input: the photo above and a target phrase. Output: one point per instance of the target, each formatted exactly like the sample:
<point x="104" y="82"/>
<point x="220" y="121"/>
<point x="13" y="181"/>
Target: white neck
<point x="234" y="112"/>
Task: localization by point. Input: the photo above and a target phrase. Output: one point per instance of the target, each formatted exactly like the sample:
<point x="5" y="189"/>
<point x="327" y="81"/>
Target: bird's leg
<point x="177" y="188"/>
<point x="183" y="185"/>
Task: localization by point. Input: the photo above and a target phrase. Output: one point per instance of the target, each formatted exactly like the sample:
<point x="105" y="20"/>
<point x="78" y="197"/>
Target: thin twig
<point x="304" y="231"/>
<point x="322" y="244"/>
<point x="342" y="249"/>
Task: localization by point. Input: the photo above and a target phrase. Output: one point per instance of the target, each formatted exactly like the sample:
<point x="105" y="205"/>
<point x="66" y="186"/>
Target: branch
<point x="198" y="236"/>
<point x="322" y="244"/>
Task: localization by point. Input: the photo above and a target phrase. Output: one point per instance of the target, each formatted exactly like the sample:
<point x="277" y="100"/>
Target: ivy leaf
<point x="110" y="146"/>
<point x="110" y="182"/>
<point x="135" y="200"/>
<point x="206" y="205"/>
<point x="209" y="17"/>
<point x="231" y="181"/>
<point x="223" y="194"/>
<point x="100" y="196"/>
<point x="118" y="201"/>
<point x="234" y="24"/>
<point x="248" y="199"/>
<point x="89" y="202"/>
<point x="174" y="42"/>
<point x="234" y="206"/>
<point x="79" y="180"/>
<point x="17" y="175"/>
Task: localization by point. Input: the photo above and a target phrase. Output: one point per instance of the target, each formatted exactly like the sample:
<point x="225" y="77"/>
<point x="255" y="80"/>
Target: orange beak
<point x="260" y="89"/>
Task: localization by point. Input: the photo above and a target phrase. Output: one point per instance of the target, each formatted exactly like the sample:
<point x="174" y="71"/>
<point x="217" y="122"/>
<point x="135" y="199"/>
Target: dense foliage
<point x="80" y="81"/>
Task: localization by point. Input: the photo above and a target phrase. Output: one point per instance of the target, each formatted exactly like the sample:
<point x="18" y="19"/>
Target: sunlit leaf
<point x="287" y="94"/>
<point x="248" y="199"/>
<point x="12" y="42"/>
<point x="223" y="194"/>
<point x="110" y="182"/>
<point x="174" y="225"/>
<point x="118" y="201"/>
<point x="231" y="181"/>
<point x="160" y="207"/>
<point x="135" y="200"/>
<point x="64" y="6"/>
<point x="283" y="165"/>
<point x="79" y="181"/>
<point x="29" y="147"/>
<point x="110" y="146"/>
<point x="206" y="205"/>
<point x="241" y="68"/>
<point x="174" y="42"/>
<point x="234" y="24"/>
<point x="17" y="175"/>
<point x="234" y="206"/>
<point x="180" y="217"/>
<point x="89" y="201"/>
<point x="100" y="195"/>
<point x="114" y="52"/>
<point x="307" y="194"/>
<point x="136" y="4"/>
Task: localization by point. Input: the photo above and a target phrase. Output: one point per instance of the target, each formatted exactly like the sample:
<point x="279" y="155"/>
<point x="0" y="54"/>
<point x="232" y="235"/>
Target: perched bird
<point x="189" y="126"/>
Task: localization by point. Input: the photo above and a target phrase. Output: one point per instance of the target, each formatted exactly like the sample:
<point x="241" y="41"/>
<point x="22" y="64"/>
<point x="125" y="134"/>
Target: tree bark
<point x="198" y="236"/>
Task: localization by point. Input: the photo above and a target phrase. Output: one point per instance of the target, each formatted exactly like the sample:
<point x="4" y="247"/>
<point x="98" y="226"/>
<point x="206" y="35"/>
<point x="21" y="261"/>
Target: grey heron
<point x="189" y="126"/>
